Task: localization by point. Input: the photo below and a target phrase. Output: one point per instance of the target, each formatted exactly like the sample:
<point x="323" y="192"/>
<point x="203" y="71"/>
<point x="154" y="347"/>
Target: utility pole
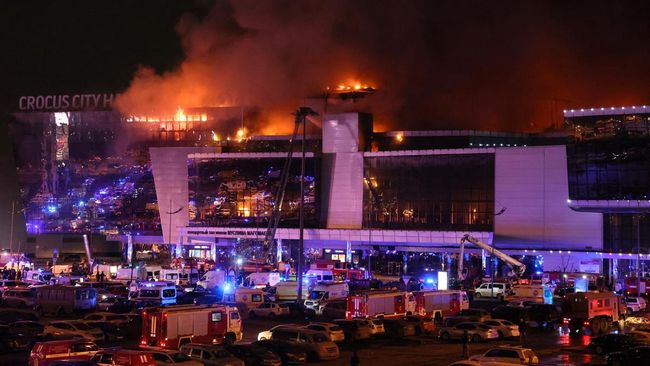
<point x="302" y="114"/>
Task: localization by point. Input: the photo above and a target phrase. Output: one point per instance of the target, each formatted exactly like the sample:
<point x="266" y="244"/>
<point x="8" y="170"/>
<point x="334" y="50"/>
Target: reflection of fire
<point x="351" y="87"/>
<point x="179" y="116"/>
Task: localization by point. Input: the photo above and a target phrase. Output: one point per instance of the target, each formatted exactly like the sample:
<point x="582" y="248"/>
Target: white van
<point x="154" y="293"/>
<point x="126" y="275"/>
<point x="38" y="277"/>
<point x="288" y="291"/>
<point x="317" y="275"/>
<point x="188" y="276"/>
<point x="153" y="273"/>
<point x="324" y="292"/>
<point x="169" y="275"/>
<point x="212" y="279"/>
<point x="252" y="297"/>
<point x="260" y="279"/>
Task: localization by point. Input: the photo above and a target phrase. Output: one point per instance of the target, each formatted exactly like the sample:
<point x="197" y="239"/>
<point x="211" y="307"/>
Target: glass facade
<point x="241" y="192"/>
<point x="620" y="233"/>
<point x="432" y="192"/>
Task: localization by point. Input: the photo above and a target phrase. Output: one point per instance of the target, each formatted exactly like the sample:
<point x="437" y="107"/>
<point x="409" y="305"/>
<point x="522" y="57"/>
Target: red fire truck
<point x="376" y="303"/>
<point x="439" y="304"/>
<point x="171" y="327"/>
<point x="634" y="284"/>
<point x="595" y="312"/>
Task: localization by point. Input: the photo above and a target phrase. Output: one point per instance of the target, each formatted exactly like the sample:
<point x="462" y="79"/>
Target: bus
<point x="62" y="300"/>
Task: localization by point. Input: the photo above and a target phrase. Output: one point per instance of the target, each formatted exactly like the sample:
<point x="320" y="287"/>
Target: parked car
<point x="266" y="334"/>
<point x="299" y="311"/>
<point x="335" y="309"/>
<point x="504" y="328"/>
<point x="69" y="329"/>
<point x="107" y="317"/>
<point x="48" y="353"/>
<point x="376" y="325"/>
<point x="210" y="355"/>
<point x="477" y="332"/>
<point x="10" y="284"/>
<point x="632" y="356"/>
<point x="123" y="357"/>
<point x="18" y="298"/>
<point x="121" y="306"/>
<point x="398" y="328"/>
<point x="107" y="303"/>
<point x="496" y="290"/>
<point x="516" y="355"/>
<point x="289" y="353"/>
<point x="318" y="346"/>
<point x="612" y="343"/>
<point x="635" y="304"/>
<point x="510" y="313"/>
<point x="112" y="331"/>
<point x="27" y="327"/>
<point x="206" y="300"/>
<point x="270" y="310"/>
<point x="640" y="336"/>
<point x="422" y="324"/>
<point x="254" y="355"/>
<point x="11" y="341"/>
<point x="520" y="303"/>
<point x="166" y="357"/>
<point x="479" y="314"/>
<point x="543" y="315"/>
<point x="333" y="331"/>
<point x="353" y="330"/>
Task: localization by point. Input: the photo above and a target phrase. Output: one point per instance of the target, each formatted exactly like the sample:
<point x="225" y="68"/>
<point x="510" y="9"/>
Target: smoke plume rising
<point x="507" y="65"/>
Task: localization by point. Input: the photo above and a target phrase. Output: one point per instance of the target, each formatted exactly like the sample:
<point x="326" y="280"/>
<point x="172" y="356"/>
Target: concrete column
<point x="213" y="251"/>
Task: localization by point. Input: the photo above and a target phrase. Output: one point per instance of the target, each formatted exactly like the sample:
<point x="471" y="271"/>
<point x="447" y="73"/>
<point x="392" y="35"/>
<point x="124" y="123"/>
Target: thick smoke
<point x="436" y="64"/>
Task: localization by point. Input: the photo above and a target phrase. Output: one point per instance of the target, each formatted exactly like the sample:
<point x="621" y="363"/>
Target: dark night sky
<point x="510" y="65"/>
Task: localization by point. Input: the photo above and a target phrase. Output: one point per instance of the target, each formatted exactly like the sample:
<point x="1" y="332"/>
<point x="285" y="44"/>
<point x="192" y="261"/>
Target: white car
<point x="376" y="326"/>
<point x="270" y="310"/>
<point x="266" y="334"/>
<point x="117" y="319"/>
<point x="494" y="290"/>
<point x="513" y="355"/>
<point x="164" y="358"/>
<point x="635" y="304"/>
<point x="70" y="329"/>
<point x="505" y="329"/>
<point x="333" y="331"/>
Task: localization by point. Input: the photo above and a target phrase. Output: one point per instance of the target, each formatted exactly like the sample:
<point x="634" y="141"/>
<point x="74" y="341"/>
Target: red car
<point x="46" y="353"/>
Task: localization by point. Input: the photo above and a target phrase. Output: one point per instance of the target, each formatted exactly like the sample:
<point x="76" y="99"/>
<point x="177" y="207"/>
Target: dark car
<point x="206" y="300"/>
<point x="290" y="353"/>
<point x="189" y="297"/>
<point x="422" y="324"/>
<point x="480" y="314"/>
<point x="544" y="315"/>
<point x="335" y="309"/>
<point x="632" y="356"/>
<point x="112" y="331"/>
<point x="27" y="327"/>
<point x="13" y="342"/>
<point x="511" y="313"/>
<point x="253" y="355"/>
<point x="122" y="306"/>
<point x="299" y="311"/>
<point x="398" y="328"/>
<point x="612" y="343"/>
<point x="12" y="315"/>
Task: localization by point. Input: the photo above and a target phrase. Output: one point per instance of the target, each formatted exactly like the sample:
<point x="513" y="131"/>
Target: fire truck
<point x="171" y="327"/>
<point x="439" y="304"/>
<point x="634" y="285"/>
<point x="380" y="303"/>
<point x="595" y="312"/>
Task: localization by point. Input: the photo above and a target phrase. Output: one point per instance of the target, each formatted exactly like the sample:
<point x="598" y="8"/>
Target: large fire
<point x="179" y="116"/>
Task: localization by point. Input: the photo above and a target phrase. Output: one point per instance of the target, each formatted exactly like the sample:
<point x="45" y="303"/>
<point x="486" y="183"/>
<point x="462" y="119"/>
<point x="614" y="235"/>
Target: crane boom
<point x="518" y="267"/>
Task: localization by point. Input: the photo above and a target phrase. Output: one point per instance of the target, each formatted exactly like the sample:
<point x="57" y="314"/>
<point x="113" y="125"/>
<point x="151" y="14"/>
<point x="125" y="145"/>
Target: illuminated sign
<point x="66" y="102"/>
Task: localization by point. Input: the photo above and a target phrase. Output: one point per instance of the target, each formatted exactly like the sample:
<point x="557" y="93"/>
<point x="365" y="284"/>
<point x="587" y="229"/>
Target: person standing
<point x="354" y="360"/>
<point x="465" y="340"/>
<point x="523" y="328"/>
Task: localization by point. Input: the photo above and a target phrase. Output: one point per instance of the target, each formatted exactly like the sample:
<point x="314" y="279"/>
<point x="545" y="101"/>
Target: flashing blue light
<point x="227" y="287"/>
<point x="538" y="272"/>
<point x="82" y="203"/>
<point x="430" y="280"/>
<point x="51" y="209"/>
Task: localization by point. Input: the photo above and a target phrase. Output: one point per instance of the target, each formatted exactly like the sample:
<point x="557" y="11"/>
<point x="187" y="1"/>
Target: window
<point x="169" y="293"/>
<point x="216" y="316"/>
<point x="195" y="352"/>
<point x="162" y="357"/>
<point x="207" y="355"/>
<point x="493" y="353"/>
<point x="84" y="347"/>
<point x="256" y="298"/>
<point x="234" y="315"/>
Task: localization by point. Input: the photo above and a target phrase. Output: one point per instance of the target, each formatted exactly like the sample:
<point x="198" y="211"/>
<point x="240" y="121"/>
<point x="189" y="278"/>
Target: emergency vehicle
<point x="172" y="327"/>
<point x="595" y="312"/>
<point x="380" y="303"/>
<point x="440" y="304"/>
